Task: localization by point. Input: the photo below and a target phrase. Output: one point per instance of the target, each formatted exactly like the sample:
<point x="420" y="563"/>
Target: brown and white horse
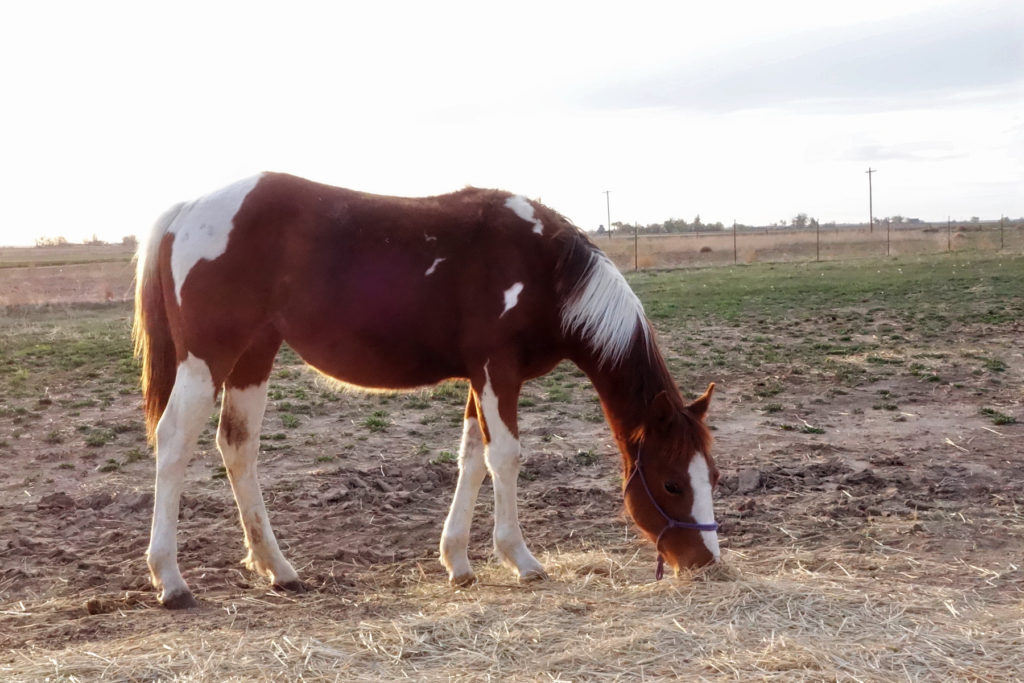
<point x="395" y="293"/>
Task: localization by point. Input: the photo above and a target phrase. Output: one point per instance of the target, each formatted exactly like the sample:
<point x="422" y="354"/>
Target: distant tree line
<point x="94" y="241"/>
<point x="801" y="221"/>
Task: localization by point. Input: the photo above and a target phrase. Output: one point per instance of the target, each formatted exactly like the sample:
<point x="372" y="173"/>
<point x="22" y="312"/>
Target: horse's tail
<point x="151" y="332"/>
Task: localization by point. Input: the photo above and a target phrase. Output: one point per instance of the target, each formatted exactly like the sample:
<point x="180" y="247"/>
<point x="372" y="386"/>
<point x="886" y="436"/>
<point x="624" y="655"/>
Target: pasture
<point x="869" y="427"/>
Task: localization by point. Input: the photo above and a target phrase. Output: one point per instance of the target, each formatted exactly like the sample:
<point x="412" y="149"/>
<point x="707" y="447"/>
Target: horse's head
<point x="668" y="491"/>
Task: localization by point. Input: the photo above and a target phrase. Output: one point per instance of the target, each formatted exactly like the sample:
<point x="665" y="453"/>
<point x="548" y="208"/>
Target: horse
<point x="396" y="293"/>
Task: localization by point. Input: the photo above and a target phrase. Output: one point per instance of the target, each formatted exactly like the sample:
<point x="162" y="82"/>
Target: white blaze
<point x="524" y="209"/>
<point x="201" y="228"/>
<point x="703" y="511"/>
<point x="512" y="297"/>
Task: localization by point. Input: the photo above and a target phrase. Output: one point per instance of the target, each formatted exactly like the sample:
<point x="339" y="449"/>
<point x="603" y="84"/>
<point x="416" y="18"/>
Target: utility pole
<point x="871" y="206"/>
<point x="608" y="207"/>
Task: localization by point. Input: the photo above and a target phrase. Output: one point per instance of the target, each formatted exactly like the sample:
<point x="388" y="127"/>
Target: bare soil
<point x="895" y="474"/>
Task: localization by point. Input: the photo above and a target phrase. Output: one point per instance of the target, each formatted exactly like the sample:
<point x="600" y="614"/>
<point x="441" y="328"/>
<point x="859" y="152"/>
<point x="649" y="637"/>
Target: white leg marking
<point x="512" y="297"/>
<point x="703" y="511"/>
<point x="201" y="228"/>
<point x="502" y="456"/>
<point x="524" y="209"/>
<point x="188" y="409"/>
<point x="455" y="537"/>
<point x="238" y="439"/>
<point x="433" y="266"/>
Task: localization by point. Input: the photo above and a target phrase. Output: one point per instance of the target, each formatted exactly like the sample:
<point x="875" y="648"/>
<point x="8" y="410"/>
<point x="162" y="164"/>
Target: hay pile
<point x="599" y="618"/>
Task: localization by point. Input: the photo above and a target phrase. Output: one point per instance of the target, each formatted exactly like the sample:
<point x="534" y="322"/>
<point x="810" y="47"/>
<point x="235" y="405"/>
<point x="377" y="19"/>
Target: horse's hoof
<point x="295" y="586"/>
<point x="462" y="580"/>
<point x="534" y="575"/>
<point x="182" y="600"/>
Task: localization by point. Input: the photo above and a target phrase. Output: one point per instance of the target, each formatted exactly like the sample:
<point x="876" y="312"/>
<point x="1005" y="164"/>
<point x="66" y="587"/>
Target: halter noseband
<point x="670" y="523"/>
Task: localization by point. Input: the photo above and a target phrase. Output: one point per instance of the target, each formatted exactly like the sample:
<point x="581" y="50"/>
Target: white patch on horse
<point x="201" y="228"/>
<point x="433" y="267"/>
<point x="429" y="238"/>
<point x="703" y="511"/>
<point x="524" y="209"/>
<point x="512" y="297"/>
<point x="604" y="311"/>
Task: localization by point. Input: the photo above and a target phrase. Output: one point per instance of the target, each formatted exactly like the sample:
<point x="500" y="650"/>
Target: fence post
<point x="735" y="254"/>
<point x="817" y="241"/>
<point x="887" y="238"/>
<point x="636" y="254"/>
<point x="949" y="235"/>
<point x="1001" y="243"/>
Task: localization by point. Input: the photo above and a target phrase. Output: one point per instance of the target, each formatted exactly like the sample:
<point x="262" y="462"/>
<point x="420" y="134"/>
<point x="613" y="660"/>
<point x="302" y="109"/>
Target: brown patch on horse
<point x="233" y="427"/>
<point x="255" y="528"/>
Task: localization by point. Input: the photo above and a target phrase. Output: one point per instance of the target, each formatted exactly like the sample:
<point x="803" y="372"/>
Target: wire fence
<point x="825" y="243"/>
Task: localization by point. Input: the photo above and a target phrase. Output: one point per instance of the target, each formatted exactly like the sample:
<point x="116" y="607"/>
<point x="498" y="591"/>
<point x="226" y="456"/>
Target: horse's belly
<point x="378" y="358"/>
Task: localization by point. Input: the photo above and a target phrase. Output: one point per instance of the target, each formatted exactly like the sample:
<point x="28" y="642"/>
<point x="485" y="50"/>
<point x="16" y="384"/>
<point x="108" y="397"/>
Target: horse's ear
<point x="661" y="410"/>
<point x="699" y="408"/>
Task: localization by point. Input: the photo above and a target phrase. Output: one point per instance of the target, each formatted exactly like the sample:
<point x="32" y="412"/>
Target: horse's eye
<point x="673" y="488"/>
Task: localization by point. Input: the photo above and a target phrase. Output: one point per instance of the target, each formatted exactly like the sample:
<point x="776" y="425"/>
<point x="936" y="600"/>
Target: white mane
<point x="604" y="311"/>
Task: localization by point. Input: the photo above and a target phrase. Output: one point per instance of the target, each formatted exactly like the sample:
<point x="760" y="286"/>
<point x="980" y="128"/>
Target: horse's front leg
<point x="455" y="537"/>
<point x="499" y="409"/>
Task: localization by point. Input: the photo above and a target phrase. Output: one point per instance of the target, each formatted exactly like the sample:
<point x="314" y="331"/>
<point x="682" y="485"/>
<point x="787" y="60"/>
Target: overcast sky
<point x="746" y="111"/>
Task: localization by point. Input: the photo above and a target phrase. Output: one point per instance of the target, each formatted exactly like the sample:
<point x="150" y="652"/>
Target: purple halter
<point x="670" y="523"/>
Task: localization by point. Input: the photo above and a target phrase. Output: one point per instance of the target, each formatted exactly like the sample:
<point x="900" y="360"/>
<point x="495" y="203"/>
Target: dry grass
<point x="599" y="618"/>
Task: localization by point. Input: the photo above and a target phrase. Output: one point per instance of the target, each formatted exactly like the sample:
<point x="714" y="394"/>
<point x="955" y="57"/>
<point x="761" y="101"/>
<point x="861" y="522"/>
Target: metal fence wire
<point x="632" y="250"/>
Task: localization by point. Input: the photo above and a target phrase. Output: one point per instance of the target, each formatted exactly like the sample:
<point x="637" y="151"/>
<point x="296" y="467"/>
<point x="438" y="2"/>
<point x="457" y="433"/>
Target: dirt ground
<point x="897" y="473"/>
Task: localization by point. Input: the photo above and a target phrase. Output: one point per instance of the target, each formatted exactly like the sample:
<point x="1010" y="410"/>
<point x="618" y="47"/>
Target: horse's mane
<point x="598" y="304"/>
<point x="601" y="308"/>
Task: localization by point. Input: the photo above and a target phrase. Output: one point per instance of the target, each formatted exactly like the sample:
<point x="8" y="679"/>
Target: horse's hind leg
<point x="188" y="408"/>
<point x="238" y="438"/>
<point x="455" y="537"/>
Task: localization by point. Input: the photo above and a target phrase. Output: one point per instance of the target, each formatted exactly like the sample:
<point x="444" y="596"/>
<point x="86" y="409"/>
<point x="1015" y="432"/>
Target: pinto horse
<point x="396" y="293"/>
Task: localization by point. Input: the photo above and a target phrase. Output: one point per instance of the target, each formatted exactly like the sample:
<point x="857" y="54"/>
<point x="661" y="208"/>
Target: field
<point x="829" y="244"/>
<point x="868" y="424"/>
<point x="72" y="273"/>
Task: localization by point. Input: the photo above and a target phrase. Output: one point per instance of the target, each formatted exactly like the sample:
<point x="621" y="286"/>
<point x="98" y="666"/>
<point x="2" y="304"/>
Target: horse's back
<point x="376" y="290"/>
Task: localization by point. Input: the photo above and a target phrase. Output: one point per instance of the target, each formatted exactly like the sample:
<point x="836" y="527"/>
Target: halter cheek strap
<point x="670" y="523"/>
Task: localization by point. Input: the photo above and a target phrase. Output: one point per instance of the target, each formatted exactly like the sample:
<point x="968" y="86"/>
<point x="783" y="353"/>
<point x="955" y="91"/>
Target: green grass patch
<point x="997" y="417"/>
<point x="444" y="458"/>
<point x="377" y="421"/>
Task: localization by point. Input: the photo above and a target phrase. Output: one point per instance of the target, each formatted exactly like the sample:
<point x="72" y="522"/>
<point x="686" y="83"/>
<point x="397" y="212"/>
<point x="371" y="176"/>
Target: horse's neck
<point x="626" y="390"/>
